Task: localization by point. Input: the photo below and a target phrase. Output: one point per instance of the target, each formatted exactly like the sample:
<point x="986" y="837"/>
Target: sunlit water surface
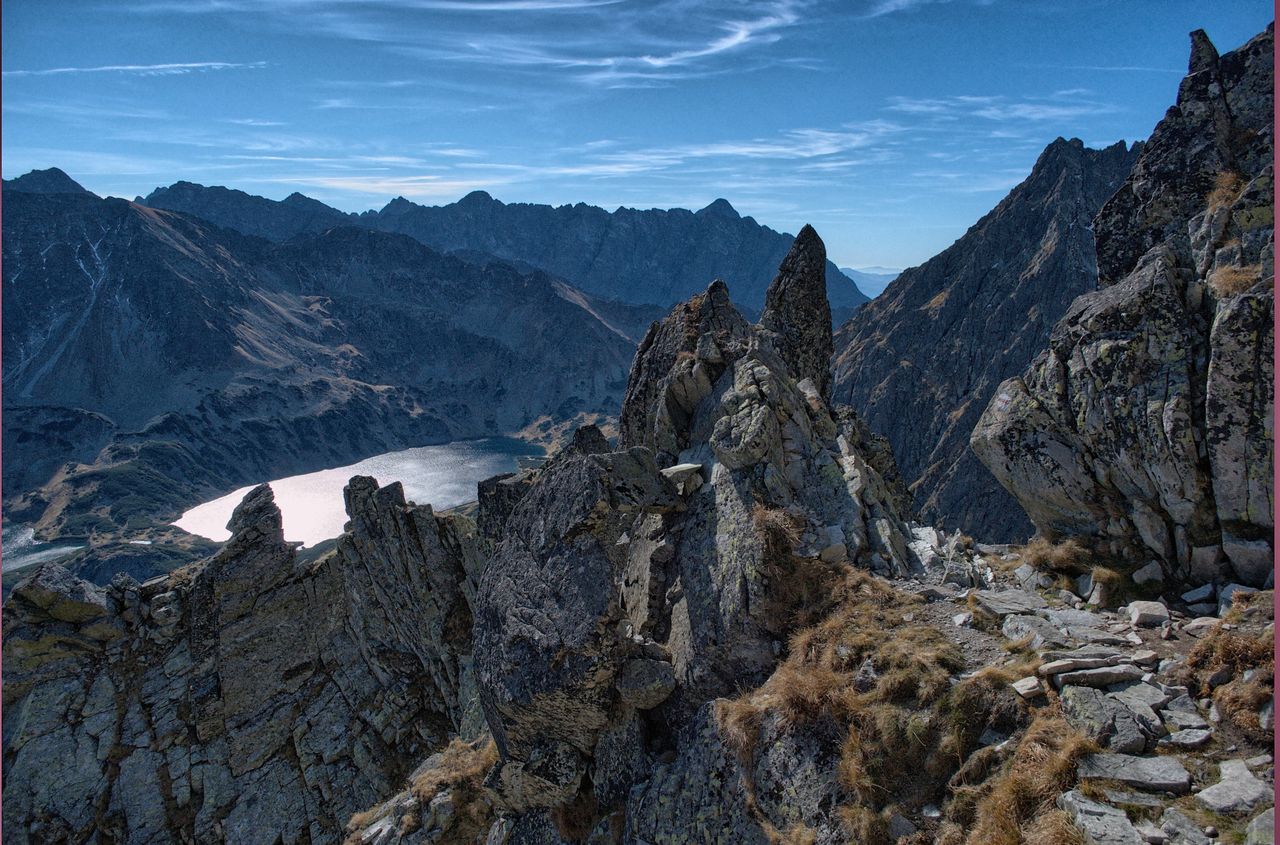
<point x="312" y="506"/>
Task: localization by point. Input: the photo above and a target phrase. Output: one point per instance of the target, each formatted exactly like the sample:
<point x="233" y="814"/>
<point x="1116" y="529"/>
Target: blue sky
<point x="890" y="125"/>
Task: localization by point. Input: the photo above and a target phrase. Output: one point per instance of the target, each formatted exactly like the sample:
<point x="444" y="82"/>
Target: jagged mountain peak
<point x="477" y="198"/>
<point x="1204" y="55"/>
<point x="52" y="180"/>
<point x="797" y="312"/>
<point x="720" y="207"/>
<point x="914" y="361"/>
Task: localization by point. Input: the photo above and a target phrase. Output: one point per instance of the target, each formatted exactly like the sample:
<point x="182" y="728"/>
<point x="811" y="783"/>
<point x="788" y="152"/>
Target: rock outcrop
<point x="922" y="360"/>
<point x="254" y="697"/>
<point x="622" y="597"/>
<point x="1146" y="428"/>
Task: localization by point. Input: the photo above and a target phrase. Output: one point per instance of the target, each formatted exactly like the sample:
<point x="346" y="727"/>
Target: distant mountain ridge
<point x="50" y="181"/>
<point x="178" y="359"/>
<point x="921" y="361"/>
<point x="651" y="257"/>
<point x="871" y="280"/>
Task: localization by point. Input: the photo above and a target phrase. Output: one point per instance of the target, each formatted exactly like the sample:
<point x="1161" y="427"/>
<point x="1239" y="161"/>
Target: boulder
<point x="1101" y="824"/>
<point x="1154" y="774"/>
<point x="1237" y="790"/>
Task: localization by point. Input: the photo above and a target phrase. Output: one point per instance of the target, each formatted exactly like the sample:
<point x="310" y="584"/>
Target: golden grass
<point x="1227" y="186"/>
<point x="1016" y="803"/>
<point x="1067" y="557"/>
<point x="1054" y="828"/>
<point x="461" y="771"/>
<point x="1228" y="650"/>
<point x="462" y="765"/>
<point x="1230" y="281"/>
<point x="906" y="728"/>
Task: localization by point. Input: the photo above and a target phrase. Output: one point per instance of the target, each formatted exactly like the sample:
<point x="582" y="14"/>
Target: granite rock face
<point x="1146" y="427"/>
<point x="797" y="312"/>
<point x="922" y="360"/>
<point x="618" y="605"/>
<point x="252" y="697"/>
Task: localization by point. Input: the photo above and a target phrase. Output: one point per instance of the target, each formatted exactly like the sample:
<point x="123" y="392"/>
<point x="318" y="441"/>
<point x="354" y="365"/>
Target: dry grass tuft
<point x="462" y="765"/>
<point x="1043" y="766"/>
<point x="1227" y="650"/>
<point x="886" y="682"/>
<point x="1068" y="557"/>
<point x="1231" y="281"/>
<point x="1227" y="186"/>
<point x="1054" y="828"/>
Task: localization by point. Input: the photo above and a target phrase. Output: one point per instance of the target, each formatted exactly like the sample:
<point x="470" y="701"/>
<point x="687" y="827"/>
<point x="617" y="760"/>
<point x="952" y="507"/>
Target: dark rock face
<point x="249" y="214"/>
<point x="183" y="360"/>
<point x="620" y="602"/>
<point x="652" y="257"/>
<point x="798" y="314"/>
<point x="922" y="361"/>
<point x="1146" y="427"/>
<point x="253" y="698"/>
<point x="51" y="181"/>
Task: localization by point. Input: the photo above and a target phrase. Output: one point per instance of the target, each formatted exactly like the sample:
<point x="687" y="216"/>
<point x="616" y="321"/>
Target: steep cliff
<point x="254" y="697"/>
<point x="922" y="360"/>
<point x="1146" y="428"/>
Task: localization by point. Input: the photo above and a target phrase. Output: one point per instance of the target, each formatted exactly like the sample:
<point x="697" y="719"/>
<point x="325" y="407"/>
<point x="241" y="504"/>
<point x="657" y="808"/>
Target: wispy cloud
<point x="880" y="8"/>
<point x="171" y="69"/>
<point x="1060" y="106"/>
<point x="605" y="43"/>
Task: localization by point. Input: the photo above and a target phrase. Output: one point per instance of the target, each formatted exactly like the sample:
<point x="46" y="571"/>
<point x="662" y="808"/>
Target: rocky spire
<point x="797" y="313"/>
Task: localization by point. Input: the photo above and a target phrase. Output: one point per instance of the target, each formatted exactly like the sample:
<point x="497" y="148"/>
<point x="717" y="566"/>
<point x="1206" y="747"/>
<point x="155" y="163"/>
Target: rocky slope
<point x="677" y="639"/>
<point x="180" y="359"/>
<point x="652" y="257"/>
<point x="256" y="697"/>
<point x="923" y="359"/>
<point x="1145" y="430"/>
<point x="653" y="573"/>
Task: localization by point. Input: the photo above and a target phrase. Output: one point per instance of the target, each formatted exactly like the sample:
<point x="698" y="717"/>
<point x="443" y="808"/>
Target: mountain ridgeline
<point x="176" y="360"/>
<point x="723" y="627"/>
<point x="650" y="257"/>
<point x="922" y="360"/>
<point x="1145" y="431"/>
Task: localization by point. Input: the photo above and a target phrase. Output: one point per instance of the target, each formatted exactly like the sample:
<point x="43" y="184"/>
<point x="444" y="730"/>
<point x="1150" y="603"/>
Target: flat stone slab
<point x="1102" y="719"/>
<point x="1039" y="632"/>
<point x="1101" y="824"/>
<point x="1103" y="676"/>
<point x="1181" y="720"/>
<point x="1181" y="829"/>
<point x="1111" y="655"/>
<point x="1068" y="618"/>
<point x="1028" y="687"/>
<point x="1187" y="740"/>
<point x="1237" y="792"/>
<point x="1002" y="603"/>
<point x="1069" y="664"/>
<point x="1154" y="774"/>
